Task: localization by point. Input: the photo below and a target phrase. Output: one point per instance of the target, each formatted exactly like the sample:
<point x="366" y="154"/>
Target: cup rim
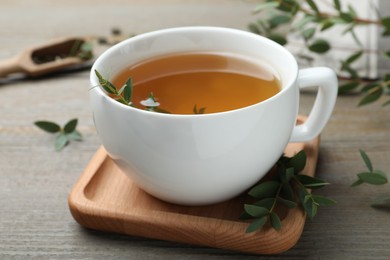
<point x="94" y="82"/>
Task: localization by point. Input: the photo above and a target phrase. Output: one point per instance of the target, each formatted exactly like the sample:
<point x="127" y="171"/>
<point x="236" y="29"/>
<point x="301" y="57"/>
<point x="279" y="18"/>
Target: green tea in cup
<point x="200" y="82"/>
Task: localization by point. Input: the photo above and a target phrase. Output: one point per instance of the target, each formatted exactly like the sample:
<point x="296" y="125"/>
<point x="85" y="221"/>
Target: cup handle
<point x="326" y="80"/>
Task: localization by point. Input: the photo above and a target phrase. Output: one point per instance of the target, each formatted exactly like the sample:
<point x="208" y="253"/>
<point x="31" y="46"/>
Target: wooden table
<point x="35" y="181"/>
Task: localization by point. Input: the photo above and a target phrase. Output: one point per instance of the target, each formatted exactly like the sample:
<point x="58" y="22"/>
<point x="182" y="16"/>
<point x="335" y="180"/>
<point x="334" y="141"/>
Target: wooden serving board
<point x="106" y="199"/>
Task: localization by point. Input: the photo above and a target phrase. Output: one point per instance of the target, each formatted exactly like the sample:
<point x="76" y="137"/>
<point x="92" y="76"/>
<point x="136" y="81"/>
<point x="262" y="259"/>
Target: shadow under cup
<point x="196" y="159"/>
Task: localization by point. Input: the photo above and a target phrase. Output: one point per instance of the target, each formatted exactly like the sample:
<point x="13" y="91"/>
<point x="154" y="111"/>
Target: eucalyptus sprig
<point x="123" y="95"/>
<point x="64" y="135"/>
<point x="199" y="111"/>
<point x="374" y="177"/>
<point x="287" y="188"/>
<point x="306" y="20"/>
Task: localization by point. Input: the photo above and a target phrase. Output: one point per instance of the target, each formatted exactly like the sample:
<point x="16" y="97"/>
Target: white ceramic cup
<point x="208" y="158"/>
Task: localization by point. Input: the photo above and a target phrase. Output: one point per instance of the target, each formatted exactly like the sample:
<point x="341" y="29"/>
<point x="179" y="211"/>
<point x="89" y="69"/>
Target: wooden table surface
<point x="35" y="181"/>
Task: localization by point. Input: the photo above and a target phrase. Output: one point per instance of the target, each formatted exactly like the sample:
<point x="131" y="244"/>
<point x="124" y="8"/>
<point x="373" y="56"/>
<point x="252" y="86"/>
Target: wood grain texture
<point x="35" y="181"/>
<point x="105" y="199"/>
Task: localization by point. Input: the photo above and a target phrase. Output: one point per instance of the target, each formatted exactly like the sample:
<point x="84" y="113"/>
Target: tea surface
<point x="213" y="82"/>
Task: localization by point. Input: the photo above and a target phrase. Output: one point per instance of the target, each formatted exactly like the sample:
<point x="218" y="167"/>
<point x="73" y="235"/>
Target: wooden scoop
<point x="46" y="58"/>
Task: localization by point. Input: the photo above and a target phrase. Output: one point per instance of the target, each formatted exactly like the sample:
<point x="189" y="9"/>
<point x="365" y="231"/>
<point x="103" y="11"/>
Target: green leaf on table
<point x="252" y="27"/>
<point x="313" y="6"/>
<point x="60" y="142"/>
<point x="374" y="178"/>
<point x="349" y="86"/>
<point x="346" y="17"/>
<point x="75" y="136"/>
<point x="277" y="20"/>
<point x="387" y="53"/>
<point x="299" y="24"/>
<point x="279" y="38"/>
<point x="354" y="57"/>
<point x="264" y="190"/>
<point x="319" y="46"/>
<point x="323" y="201"/>
<point x="265" y="6"/>
<point x="48" y="126"/>
<point x="288" y="191"/>
<point x="290" y="6"/>
<point x="308" y="33"/>
<point x="327" y="24"/>
<point x="337" y="5"/>
<point x="311" y="209"/>
<point x="357" y="183"/>
<point x="372" y="96"/>
<point x="386" y="103"/>
<point x="386" y="24"/>
<point x="70" y="126"/>
<point x="366" y="160"/>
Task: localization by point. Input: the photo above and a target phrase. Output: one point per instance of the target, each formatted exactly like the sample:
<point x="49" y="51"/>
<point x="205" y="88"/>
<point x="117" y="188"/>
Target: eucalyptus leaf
<point x="275" y="221"/>
<point x="279" y="38"/>
<point x="372" y="178"/>
<point x="75" y="136"/>
<point x="288" y="203"/>
<point x="256" y="224"/>
<point x="298" y="161"/>
<point x="386" y="24"/>
<point x="267" y="203"/>
<point x="327" y="24"/>
<point x="48" y="126"/>
<point x="357" y="183"/>
<point x="308" y="33"/>
<point x="310" y="209"/>
<point x="311" y="182"/>
<point x="386" y="103"/>
<point x="323" y="201"/>
<point x="256" y="211"/>
<point x="348" y="87"/>
<point x="346" y="17"/>
<point x="128" y="91"/>
<point x="372" y="96"/>
<point x="287" y="174"/>
<point x="299" y="24"/>
<point x="319" y="46"/>
<point x="265" y="190"/>
<point x="105" y="84"/>
<point x="265" y="6"/>
<point x="366" y="160"/>
<point x="288" y="191"/>
<point x="313" y="6"/>
<point x="252" y="27"/>
<point x="70" y="126"/>
<point x="387" y="53"/>
<point x="354" y="57"/>
<point x="288" y="5"/>
<point x="277" y="20"/>
<point x="337" y="5"/>
<point x="60" y="142"/>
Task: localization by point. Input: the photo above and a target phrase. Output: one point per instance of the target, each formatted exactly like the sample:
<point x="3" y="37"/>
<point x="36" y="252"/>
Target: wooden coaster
<point x="106" y="199"/>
